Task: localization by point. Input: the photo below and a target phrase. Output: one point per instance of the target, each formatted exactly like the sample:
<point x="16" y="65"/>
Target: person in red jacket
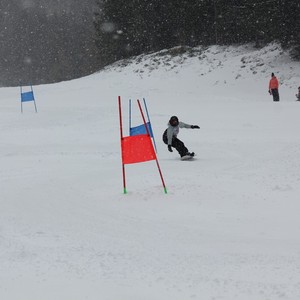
<point x="273" y="87"/>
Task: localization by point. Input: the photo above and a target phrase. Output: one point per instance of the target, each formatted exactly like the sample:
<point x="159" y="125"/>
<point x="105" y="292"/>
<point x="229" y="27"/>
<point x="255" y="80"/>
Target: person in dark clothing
<point x="170" y="136"/>
<point x="273" y="87"/>
<point x="298" y="95"/>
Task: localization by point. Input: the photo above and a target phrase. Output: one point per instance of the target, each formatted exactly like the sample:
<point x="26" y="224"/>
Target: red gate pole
<point x="121" y="135"/>
<point x="159" y="170"/>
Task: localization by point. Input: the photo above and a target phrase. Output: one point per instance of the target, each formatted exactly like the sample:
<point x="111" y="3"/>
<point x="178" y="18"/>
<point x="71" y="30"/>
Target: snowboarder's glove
<point x="270" y="92"/>
<point x="195" y="127"/>
<point x="170" y="148"/>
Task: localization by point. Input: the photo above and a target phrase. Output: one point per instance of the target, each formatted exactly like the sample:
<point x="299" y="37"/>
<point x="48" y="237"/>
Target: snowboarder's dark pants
<point x="275" y="94"/>
<point x="177" y="144"/>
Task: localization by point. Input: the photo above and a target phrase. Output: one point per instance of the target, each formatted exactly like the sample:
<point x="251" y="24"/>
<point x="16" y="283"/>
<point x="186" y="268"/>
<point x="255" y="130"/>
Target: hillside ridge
<point x="252" y="62"/>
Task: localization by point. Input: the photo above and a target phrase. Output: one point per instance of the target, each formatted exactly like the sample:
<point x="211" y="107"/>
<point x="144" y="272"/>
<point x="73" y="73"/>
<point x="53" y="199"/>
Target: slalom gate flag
<point x="141" y="129"/>
<point x="27" y="96"/>
<point x="137" y="148"/>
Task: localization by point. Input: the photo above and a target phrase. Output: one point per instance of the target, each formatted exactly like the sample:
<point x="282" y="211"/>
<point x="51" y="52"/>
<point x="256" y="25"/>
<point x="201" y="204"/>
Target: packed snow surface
<point x="228" y="227"/>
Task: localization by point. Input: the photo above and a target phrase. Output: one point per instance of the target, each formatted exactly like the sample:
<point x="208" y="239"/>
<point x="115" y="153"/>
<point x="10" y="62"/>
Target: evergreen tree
<point x="142" y="26"/>
<point x="290" y="25"/>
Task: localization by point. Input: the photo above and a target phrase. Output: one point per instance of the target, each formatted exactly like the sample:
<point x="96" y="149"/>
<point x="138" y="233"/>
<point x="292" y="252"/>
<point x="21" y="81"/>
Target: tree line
<point x="133" y="27"/>
<point x="46" y="41"/>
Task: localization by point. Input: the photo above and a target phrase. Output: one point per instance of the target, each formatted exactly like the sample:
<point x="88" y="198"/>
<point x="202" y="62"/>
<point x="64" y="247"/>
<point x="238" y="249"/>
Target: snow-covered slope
<point x="228" y="227"/>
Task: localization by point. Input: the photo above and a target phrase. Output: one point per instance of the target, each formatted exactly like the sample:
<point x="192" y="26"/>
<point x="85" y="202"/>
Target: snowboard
<point x="188" y="157"/>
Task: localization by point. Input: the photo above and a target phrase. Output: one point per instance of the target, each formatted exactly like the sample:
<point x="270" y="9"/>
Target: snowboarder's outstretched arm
<point x="185" y="125"/>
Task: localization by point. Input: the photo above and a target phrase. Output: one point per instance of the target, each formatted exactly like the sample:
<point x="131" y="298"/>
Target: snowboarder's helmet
<point x="173" y="121"/>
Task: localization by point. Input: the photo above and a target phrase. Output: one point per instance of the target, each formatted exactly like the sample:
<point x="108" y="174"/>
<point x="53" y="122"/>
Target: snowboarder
<point x="298" y="95"/>
<point x="170" y="137"/>
<point x="273" y="87"/>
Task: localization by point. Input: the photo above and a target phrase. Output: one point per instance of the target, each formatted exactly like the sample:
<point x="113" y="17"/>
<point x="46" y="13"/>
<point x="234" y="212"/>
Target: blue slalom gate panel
<point x="141" y="129"/>
<point x="27" y="96"/>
